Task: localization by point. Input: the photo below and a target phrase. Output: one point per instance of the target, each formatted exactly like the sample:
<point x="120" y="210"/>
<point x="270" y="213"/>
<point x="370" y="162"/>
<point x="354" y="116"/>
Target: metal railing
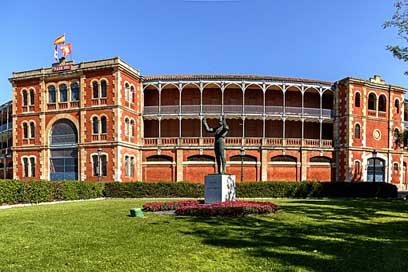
<point x="238" y="141"/>
<point x="5" y="127"/>
<point x="237" y="109"/>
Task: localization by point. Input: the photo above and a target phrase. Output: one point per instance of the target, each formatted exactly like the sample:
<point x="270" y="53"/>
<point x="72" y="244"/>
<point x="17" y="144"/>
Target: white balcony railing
<point x="237" y="109"/>
<point x="238" y="141"/>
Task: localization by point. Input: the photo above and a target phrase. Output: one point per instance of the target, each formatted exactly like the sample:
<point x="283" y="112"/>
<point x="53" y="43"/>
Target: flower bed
<point x="168" y="206"/>
<point x="229" y="208"/>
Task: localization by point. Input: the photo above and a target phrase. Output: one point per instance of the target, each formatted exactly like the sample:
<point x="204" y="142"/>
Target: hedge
<point x="14" y="191"/>
<point x="254" y="189"/>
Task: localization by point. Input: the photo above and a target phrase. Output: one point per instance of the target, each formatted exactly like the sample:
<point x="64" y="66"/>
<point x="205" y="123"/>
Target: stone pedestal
<point x="219" y="188"/>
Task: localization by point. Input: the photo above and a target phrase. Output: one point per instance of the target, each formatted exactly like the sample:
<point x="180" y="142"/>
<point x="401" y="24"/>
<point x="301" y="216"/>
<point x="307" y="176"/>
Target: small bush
<point x="229" y="208"/>
<point x="10" y="191"/>
<point x="168" y="206"/>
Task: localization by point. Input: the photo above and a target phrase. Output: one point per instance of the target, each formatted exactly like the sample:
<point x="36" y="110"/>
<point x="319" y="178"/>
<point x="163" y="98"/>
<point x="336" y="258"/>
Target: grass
<point x="305" y="235"/>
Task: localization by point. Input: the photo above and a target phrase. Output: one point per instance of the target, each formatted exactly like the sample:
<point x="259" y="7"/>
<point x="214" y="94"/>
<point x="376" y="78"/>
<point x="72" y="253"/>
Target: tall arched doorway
<point x="64" y="151"/>
<point x="376" y="170"/>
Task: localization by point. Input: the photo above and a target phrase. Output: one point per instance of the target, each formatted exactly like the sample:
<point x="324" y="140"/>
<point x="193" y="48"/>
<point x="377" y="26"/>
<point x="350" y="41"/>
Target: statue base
<point x="219" y="188"/>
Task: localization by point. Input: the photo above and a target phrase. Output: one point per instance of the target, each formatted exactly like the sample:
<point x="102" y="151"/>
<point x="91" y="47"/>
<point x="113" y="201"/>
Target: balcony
<point x="5" y="127"/>
<point x="238" y="141"/>
<point x="238" y="109"/>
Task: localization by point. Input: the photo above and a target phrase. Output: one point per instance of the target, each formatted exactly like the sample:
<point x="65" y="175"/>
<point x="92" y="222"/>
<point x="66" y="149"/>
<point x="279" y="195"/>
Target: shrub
<point x="229" y="208"/>
<point x="159" y="189"/>
<point x="168" y="206"/>
<point x="14" y="191"/>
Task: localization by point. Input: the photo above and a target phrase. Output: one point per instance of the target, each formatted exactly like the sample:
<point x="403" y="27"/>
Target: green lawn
<point x="305" y="235"/>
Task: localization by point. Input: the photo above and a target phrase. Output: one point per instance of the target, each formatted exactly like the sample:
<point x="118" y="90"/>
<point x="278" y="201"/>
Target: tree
<point x="400" y="21"/>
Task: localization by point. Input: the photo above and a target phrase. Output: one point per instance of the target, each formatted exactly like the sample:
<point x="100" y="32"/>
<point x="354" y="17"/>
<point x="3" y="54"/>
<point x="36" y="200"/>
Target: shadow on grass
<point x="321" y="235"/>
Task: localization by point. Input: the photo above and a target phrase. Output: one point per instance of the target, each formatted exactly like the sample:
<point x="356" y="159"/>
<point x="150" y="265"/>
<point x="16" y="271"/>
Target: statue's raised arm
<point x="206" y="127"/>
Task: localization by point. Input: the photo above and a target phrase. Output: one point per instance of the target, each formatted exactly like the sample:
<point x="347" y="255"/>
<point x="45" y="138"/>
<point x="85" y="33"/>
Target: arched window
<point x="126" y="127"/>
<point x="357" y="131"/>
<point x="127" y="91"/>
<point x="74" y="91"/>
<point x="397" y="136"/>
<point x="132" y="166"/>
<point x="357" y="167"/>
<point x="246" y="158"/>
<point x="52" y="98"/>
<point x="32" y="129"/>
<point x="397" y="106"/>
<point x="320" y="159"/>
<point x="159" y="158"/>
<point x="103" y="124"/>
<point x="103" y="88"/>
<point x="131" y="128"/>
<point x="32" y="166"/>
<point x="201" y="158"/>
<point x="32" y="97"/>
<point x="25" y="130"/>
<point x="99" y="166"/>
<point x="357" y="100"/>
<point x="95" y="89"/>
<point x="95" y="125"/>
<point x="284" y="158"/>
<point x="127" y="168"/>
<point x="25" y="167"/>
<point x="63" y="93"/>
<point x="25" y="98"/>
<point x="132" y="94"/>
<point x="396" y="168"/>
<point x="382" y="103"/>
<point x="372" y="103"/>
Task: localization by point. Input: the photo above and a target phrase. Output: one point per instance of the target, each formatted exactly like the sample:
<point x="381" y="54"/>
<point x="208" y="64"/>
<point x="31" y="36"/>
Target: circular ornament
<point x="377" y="134"/>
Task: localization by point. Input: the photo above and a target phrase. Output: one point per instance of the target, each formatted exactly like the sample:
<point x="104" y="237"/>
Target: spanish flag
<point x="60" y="40"/>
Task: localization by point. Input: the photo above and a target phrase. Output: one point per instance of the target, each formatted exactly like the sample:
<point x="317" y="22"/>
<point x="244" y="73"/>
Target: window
<point x="103" y="88"/>
<point x="32" y="166"/>
<point x="95" y="125"/>
<point x="126" y="127"/>
<point x="396" y="168"/>
<point x="357" y="100"/>
<point x="131" y="128"/>
<point x="25" y="167"/>
<point x="372" y="101"/>
<point x="127" y="168"/>
<point x="32" y="97"/>
<point x="74" y="91"/>
<point x="99" y="168"/>
<point x="95" y="165"/>
<point x="95" y="89"/>
<point x="25" y="98"/>
<point x="127" y="90"/>
<point x="52" y="98"/>
<point x="132" y="166"/>
<point x="32" y="129"/>
<point x="132" y="94"/>
<point x="63" y="93"/>
<point x="103" y="124"/>
<point x="357" y="167"/>
<point x="397" y="136"/>
<point x="28" y="167"/>
<point x="397" y="107"/>
<point x="357" y="131"/>
<point x="103" y="165"/>
<point x="382" y="101"/>
<point x="25" y="130"/>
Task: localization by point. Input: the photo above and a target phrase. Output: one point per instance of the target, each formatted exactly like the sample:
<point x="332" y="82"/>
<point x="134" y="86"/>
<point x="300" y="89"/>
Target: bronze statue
<point x="220" y="132"/>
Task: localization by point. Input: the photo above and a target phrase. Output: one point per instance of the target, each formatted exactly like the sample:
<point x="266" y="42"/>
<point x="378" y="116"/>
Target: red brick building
<point x="103" y="120"/>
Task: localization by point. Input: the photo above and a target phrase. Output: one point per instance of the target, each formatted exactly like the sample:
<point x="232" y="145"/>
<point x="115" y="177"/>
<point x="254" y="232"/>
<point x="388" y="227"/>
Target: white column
<point x="303" y="100"/>
<point x="243" y="89"/>
<point x="264" y="98"/>
<point x="222" y="98"/>
<point x="160" y="91"/>
<point x="321" y="128"/>
<point x="283" y="128"/>
<point x="201" y="98"/>
<point x="180" y="89"/>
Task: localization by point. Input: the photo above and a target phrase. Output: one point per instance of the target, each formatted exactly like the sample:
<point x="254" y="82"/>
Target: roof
<point x="232" y="77"/>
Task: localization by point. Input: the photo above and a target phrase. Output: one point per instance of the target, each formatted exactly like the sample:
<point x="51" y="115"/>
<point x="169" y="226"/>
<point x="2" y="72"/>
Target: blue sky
<point x="317" y="39"/>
